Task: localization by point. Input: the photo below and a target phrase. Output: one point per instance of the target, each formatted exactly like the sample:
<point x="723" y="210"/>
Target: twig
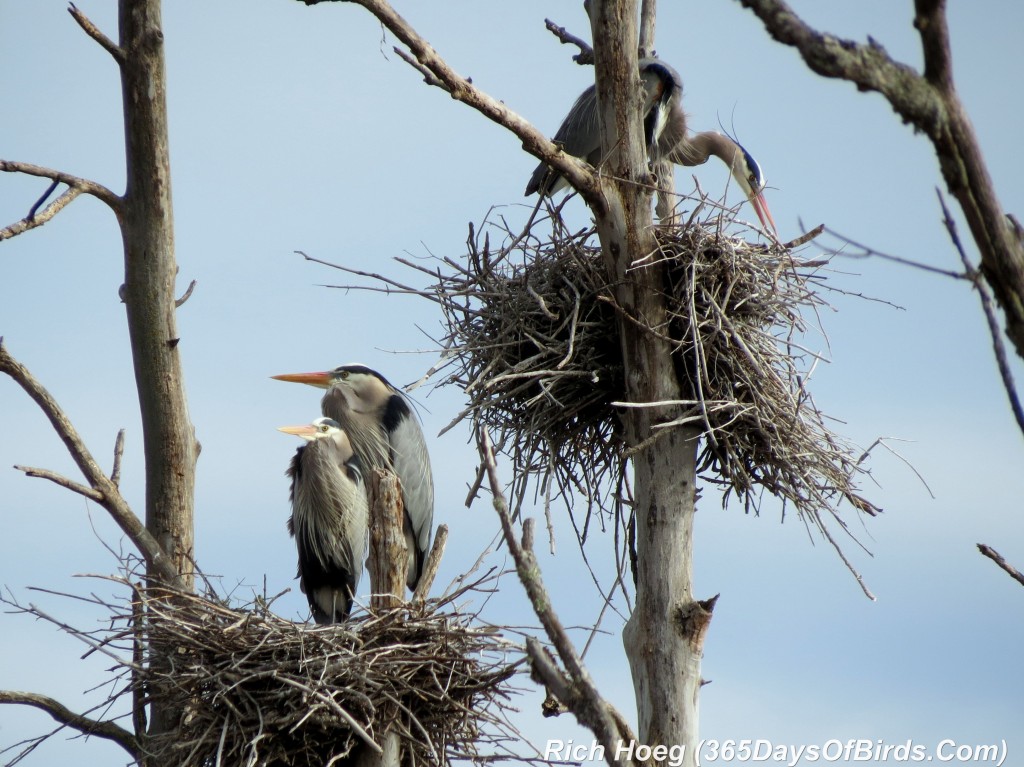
<point x="186" y="295"/>
<point x="996" y="557"/>
<point x="431" y="565"/>
<point x="69" y="718"/>
<point x="36" y="218"/>
<point x="93" y="31"/>
<point x="1005" y="373"/>
<point x="60" y="479"/>
<point x="115" y="472"/>
<point x="108" y="494"/>
<point x="586" y="54"/>
<point x="39" y="203"/>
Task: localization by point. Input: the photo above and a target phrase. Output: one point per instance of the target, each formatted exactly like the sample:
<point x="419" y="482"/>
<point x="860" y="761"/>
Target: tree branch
<point x="929" y="103"/>
<point x="60" y="479"/>
<point x="930" y="21"/>
<point x="115" y="472"/>
<point x="586" y="54"/>
<point x="35" y="218"/>
<point x="98" y="191"/>
<point x="68" y="718"/>
<point x="585" y="700"/>
<point x="996" y="557"/>
<point x="990" y="317"/>
<point x="576" y="172"/>
<point x="93" y="31"/>
<point x="106" y="492"/>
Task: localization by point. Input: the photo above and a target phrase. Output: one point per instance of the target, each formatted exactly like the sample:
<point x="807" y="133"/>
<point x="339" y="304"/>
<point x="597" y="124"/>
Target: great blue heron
<point x="665" y="134"/>
<point x="329" y="518"/>
<point x="385" y="434"/>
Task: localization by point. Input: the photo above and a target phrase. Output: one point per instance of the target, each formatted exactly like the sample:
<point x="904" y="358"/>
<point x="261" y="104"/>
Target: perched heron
<point x="329" y="518"/>
<point x="665" y="133"/>
<point x="385" y="434"/>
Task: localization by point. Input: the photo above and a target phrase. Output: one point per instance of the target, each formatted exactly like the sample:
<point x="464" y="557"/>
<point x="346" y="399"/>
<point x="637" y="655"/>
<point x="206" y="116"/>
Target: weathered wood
<point x="147" y="228"/>
<point x="389" y="553"/>
<point x="387" y="563"/>
<point x="663" y="650"/>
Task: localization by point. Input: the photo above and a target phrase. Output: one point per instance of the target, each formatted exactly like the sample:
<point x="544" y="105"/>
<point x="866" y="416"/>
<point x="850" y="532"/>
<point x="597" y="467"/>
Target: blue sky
<point x="296" y="128"/>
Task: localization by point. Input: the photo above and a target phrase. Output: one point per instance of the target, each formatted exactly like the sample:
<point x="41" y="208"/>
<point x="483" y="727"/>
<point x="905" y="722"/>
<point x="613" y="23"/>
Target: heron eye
<point x="323" y="428"/>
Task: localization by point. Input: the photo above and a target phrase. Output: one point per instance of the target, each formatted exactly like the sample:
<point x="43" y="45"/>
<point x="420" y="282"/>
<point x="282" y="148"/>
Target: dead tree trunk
<point x="147" y="229"/>
<point x="387" y="566"/>
<point x="663" y="647"/>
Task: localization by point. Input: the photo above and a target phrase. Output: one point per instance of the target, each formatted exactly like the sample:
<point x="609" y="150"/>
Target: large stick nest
<point x="261" y="690"/>
<point x="257" y="689"/>
<point x="532" y="334"/>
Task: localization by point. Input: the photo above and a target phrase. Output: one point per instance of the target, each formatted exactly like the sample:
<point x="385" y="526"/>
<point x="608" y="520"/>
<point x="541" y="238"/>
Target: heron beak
<point x="321" y="380"/>
<point x="306" y="431"/>
<point x="764" y="215"/>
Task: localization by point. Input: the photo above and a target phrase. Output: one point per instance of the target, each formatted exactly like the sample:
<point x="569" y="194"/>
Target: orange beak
<point x="765" y="215"/>
<point x="306" y="431"/>
<point x="321" y="380"/>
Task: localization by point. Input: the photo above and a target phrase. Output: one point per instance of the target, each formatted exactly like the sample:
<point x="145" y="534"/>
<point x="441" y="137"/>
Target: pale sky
<point x="297" y="128"/>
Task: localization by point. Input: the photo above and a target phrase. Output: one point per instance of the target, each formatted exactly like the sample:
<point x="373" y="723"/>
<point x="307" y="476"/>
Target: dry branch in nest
<point x="257" y="689"/>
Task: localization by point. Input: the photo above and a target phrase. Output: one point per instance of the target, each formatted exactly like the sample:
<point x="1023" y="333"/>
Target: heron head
<point x="323" y="428"/>
<point x="750" y="177"/>
<point x="364" y="389"/>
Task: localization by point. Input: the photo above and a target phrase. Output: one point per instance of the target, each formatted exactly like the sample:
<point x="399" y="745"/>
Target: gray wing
<point x="579" y="135"/>
<point x="412" y="466"/>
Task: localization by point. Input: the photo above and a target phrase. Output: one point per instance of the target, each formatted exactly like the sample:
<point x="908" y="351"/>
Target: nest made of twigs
<point x="533" y="339"/>
<point x="257" y="689"/>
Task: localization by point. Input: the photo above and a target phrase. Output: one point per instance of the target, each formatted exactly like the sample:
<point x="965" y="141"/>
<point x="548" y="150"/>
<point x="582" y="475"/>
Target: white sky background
<point x="296" y="128"/>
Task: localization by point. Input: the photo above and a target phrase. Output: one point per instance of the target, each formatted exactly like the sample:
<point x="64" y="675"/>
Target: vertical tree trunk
<point x="147" y="229"/>
<point x="662" y="641"/>
<point x="387" y="564"/>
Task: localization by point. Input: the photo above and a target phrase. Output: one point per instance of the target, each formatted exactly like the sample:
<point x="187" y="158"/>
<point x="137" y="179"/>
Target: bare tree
<point x="144" y="213"/>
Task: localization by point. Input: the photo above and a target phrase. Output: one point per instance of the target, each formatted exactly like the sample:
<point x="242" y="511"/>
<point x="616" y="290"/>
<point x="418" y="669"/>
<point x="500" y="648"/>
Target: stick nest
<point x="532" y="337"/>
<point x="260" y="690"/>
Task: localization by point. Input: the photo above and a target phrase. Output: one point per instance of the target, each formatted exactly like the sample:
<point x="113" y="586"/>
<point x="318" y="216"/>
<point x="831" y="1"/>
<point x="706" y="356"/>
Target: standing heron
<point x="385" y="435"/>
<point x="329" y="518"/>
<point x="665" y="134"/>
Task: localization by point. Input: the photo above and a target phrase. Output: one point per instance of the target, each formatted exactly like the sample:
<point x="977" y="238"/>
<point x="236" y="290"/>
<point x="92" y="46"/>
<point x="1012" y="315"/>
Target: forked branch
<point x="38" y="215"/>
<point x="101" y="489"/>
<point x="69" y="718"/>
<point x="930" y="104"/>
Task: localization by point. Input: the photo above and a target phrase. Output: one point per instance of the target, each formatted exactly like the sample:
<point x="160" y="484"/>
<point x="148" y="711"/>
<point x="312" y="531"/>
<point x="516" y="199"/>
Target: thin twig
<point x="36" y="218"/>
<point x="996" y="557"/>
<point x="586" y="54"/>
<point x="93" y="31"/>
<point x="60" y="479"/>
<point x="185" y="296"/>
<point x="998" y="348"/>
